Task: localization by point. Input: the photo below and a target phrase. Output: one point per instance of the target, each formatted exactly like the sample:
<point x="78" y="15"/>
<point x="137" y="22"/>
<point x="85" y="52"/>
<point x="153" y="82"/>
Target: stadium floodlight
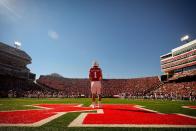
<point x="184" y="38"/>
<point x="17" y="44"/>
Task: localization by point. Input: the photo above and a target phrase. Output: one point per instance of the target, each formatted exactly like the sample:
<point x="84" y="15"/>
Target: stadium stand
<point x="174" y="90"/>
<point x="180" y="62"/>
<point x="81" y="87"/>
<point x="16" y="80"/>
<point x="179" y="68"/>
<point x="14" y="74"/>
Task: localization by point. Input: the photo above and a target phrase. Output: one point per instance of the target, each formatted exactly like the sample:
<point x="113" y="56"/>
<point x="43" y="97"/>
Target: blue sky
<point x="126" y="37"/>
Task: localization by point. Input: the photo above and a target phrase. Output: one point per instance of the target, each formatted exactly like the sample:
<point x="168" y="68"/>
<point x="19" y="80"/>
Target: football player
<point x="95" y="76"/>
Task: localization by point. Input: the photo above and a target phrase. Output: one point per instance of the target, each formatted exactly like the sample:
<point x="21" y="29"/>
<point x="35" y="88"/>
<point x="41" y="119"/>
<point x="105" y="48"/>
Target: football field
<point x="116" y="114"/>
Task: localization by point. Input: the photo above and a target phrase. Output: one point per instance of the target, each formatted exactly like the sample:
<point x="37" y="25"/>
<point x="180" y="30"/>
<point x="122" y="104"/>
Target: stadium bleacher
<point x="111" y="87"/>
<point x="177" y="90"/>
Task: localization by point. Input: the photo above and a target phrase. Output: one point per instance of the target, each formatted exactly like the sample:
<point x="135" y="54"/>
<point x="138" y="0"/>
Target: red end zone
<point x="129" y="114"/>
<point x="132" y="116"/>
<point x="112" y="115"/>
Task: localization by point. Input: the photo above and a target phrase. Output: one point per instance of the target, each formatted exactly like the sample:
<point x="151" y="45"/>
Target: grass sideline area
<point x="61" y="123"/>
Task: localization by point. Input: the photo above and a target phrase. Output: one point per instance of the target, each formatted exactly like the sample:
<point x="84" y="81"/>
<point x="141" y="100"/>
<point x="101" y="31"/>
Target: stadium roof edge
<point x="184" y="46"/>
<point x="165" y="54"/>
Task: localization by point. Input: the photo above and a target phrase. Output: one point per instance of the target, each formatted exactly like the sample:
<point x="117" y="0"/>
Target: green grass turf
<point x="61" y="123"/>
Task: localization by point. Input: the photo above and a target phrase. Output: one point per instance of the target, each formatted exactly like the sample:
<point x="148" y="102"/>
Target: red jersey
<point x="95" y="74"/>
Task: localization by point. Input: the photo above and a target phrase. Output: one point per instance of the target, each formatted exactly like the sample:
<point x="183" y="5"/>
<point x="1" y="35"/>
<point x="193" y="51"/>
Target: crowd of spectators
<point x="60" y="87"/>
<point x="180" y="90"/>
<point x="133" y="87"/>
<point x="37" y="94"/>
<point x="81" y="87"/>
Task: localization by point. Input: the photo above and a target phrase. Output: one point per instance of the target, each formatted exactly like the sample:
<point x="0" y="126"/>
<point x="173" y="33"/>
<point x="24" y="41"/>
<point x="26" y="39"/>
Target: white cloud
<point x="52" y="34"/>
<point x="8" y="7"/>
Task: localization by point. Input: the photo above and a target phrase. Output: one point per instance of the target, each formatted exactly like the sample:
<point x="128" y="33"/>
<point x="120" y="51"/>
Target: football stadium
<point x="54" y="102"/>
<point x="50" y="101"/>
